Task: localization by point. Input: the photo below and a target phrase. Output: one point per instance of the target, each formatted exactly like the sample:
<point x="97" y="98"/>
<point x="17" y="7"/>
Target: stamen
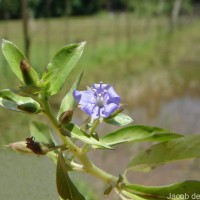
<point x="95" y="91"/>
<point x="101" y="82"/>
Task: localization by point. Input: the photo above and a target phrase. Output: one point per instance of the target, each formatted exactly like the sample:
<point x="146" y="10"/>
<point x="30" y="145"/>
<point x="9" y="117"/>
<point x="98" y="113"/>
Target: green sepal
<point x="77" y="133"/>
<point x="108" y="190"/>
<point x="166" y="152"/>
<point x="61" y="66"/>
<point x="17" y="61"/>
<point x="138" y="133"/>
<point x="66" y="188"/>
<point x="15" y="102"/>
<point x="119" y="120"/>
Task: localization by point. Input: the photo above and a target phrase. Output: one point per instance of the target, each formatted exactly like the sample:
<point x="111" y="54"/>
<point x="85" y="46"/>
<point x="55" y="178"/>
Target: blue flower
<point x="100" y="101"/>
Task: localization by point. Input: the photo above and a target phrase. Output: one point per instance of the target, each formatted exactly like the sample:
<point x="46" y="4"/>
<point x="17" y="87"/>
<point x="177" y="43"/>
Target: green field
<point x="145" y="62"/>
<point x="149" y="47"/>
<point x="141" y="58"/>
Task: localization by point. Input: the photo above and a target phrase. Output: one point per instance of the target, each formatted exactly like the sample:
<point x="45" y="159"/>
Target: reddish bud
<point x="28" y="73"/>
<point x="36" y="147"/>
<point x="66" y="117"/>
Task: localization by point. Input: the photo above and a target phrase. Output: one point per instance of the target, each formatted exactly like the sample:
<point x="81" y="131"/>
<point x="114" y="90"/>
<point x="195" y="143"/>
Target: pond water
<point x="180" y="115"/>
<point x="30" y="177"/>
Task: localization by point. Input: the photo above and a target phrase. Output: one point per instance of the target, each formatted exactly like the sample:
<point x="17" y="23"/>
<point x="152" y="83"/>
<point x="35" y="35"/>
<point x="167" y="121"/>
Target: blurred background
<point x="149" y="50"/>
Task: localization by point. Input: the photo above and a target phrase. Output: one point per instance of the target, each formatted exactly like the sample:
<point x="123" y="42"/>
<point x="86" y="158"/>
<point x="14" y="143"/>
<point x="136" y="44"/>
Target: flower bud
<point x="37" y="147"/>
<point x="65" y="132"/>
<point x="29" y="108"/>
<point x="30" y="146"/>
<point x="66" y="117"/>
<point x="20" y="147"/>
<point x="29" y="75"/>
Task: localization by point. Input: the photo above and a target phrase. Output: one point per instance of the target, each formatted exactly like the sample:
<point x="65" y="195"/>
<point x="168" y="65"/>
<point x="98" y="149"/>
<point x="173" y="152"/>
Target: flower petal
<point x="84" y="97"/>
<point x="113" y="96"/>
<point x="96" y="112"/>
<point x="102" y="112"/>
<point x="109" y="109"/>
<point x="88" y="108"/>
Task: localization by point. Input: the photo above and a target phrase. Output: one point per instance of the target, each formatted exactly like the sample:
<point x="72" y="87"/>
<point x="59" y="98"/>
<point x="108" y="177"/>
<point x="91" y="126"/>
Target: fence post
<point x="25" y="21"/>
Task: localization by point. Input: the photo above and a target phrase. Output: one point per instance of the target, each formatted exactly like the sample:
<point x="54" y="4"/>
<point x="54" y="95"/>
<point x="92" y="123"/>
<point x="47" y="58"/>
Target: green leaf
<point x="61" y="66"/>
<point x="188" y="189"/>
<point x="12" y="101"/>
<point x="66" y="188"/>
<point x="138" y="133"/>
<point x="40" y="132"/>
<point x="158" y="154"/>
<point x="119" y="120"/>
<point x="77" y="133"/>
<point x="14" y="57"/>
<point x="68" y="101"/>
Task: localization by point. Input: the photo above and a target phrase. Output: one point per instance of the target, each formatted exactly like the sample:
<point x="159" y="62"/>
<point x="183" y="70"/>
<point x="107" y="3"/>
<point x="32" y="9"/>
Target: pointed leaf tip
<point x="61" y="66"/>
<point x="66" y="188"/>
<point x="14" y="58"/>
<point x="83" y="43"/>
<point x="3" y="41"/>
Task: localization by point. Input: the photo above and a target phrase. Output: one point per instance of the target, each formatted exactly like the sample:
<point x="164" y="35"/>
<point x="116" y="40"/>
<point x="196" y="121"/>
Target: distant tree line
<point x="11" y="9"/>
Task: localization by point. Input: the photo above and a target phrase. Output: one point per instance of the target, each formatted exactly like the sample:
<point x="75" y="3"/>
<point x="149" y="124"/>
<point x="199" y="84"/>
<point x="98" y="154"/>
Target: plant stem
<point x="88" y="166"/>
<point x="94" y="126"/>
<point x="91" y="131"/>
